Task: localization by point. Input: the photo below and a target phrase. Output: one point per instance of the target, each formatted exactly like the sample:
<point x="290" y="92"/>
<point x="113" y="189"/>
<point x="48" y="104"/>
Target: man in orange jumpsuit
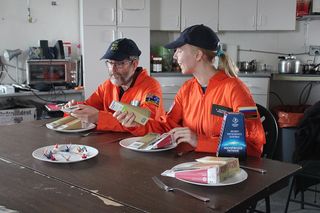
<point x="128" y="83"/>
<point x="197" y="114"/>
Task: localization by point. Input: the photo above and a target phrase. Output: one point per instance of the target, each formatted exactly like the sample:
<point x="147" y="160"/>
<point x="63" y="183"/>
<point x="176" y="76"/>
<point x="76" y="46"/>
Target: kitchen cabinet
<point x="199" y="12"/>
<point x="176" y="15"/>
<point x="165" y="15"/>
<point x="98" y="12"/>
<point x="257" y="15"/>
<point x="128" y="13"/>
<point x="133" y="13"/>
<point x="258" y="86"/>
<point x="170" y="87"/>
<point x="103" y="21"/>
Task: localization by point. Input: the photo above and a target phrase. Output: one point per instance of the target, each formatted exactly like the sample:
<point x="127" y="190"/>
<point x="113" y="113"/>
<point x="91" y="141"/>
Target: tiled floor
<point x="278" y="202"/>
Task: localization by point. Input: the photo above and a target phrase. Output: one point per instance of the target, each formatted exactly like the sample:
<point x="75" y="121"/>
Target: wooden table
<point x="24" y="190"/>
<point x="124" y="176"/>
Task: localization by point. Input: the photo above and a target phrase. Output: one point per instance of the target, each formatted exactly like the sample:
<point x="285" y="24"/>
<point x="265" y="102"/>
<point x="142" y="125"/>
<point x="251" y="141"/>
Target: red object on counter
<point x="302" y="7"/>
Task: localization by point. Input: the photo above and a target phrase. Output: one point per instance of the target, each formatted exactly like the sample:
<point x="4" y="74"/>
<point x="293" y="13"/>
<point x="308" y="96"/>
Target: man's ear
<point x="135" y="64"/>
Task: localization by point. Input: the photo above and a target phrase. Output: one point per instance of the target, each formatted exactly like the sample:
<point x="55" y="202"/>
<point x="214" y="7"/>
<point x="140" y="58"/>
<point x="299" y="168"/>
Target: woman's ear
<point x="199" y="54"/>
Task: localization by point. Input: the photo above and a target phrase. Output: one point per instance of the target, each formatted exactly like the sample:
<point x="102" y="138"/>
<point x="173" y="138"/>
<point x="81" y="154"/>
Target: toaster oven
<point x="53" y="72"/>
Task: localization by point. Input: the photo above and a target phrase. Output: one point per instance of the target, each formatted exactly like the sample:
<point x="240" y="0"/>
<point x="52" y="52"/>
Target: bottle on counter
<point x="157" y="64"/>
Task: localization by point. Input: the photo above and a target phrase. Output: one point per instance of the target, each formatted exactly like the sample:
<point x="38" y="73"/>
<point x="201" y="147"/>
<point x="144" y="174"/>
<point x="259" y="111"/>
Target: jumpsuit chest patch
<point x="219" y="110"/>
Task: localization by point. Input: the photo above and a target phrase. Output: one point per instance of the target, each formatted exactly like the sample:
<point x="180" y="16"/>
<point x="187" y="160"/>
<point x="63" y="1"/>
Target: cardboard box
<point x="142" y="115"/>
<point x="14" y="116"/>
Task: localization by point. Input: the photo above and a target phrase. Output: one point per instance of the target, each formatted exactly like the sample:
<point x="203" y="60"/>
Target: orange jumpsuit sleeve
<point x="255" y="136"/>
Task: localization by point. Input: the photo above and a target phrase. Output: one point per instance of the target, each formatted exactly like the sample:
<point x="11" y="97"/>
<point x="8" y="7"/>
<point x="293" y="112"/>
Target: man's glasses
<point x="117" y="64"/>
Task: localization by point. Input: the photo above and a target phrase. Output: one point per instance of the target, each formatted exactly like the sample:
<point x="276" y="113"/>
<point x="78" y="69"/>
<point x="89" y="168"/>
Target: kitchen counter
<point x="295" y="77"/>
<point x="258" y="74"/>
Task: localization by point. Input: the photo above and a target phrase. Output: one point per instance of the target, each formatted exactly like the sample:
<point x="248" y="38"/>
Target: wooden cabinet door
<point x="95" y="42"/>
<point x="165" y="15"/>
<point x="237" y="15"/>
<point x="133" y="13"/>
<point x="276" y="15"/>
<point x="98" y="12"/>
<point x="199" y="12"/>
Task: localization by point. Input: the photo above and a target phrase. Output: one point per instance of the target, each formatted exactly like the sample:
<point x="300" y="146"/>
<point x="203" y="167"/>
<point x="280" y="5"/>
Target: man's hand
<point x="184" y="134"/>
<point x="126" y="119"/>
<point x="69" y="104"/>
<point x="87" y="114"/>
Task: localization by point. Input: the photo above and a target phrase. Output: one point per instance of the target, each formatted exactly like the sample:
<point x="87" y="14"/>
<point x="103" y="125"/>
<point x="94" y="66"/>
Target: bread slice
<point x="60" y="122"/>
<point x="74" y="124"/>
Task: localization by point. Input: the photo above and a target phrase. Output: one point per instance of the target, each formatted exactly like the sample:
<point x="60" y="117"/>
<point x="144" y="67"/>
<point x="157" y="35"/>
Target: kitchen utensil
<point x="171" y="189"/>
<point x="289" y="64"/>
<point x="310" y="68"/>
<point x="262" y="171"/>
<point x="91" y="133"/>
<point x="248" y="66"/>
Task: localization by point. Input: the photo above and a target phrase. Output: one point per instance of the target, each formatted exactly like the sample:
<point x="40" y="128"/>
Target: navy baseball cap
<point x="122" y="49"/>
<point x="196" y="35"/>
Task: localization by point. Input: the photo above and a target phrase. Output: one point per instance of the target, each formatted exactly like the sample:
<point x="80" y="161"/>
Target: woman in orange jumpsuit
<point x="197" y="113"/>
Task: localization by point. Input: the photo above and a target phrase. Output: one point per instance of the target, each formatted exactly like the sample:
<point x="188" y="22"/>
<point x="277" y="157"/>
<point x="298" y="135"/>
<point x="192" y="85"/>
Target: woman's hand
<point x="184" y="134"/>
<point x="126" y="119"/>
<point x="87" y="114"/>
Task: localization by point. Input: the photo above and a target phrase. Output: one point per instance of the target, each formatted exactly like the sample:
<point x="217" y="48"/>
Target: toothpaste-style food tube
<point x="205" y="173"/>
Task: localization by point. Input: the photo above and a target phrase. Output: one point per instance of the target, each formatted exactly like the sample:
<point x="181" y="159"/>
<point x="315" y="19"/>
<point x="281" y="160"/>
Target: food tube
<point x="203" y="175"/>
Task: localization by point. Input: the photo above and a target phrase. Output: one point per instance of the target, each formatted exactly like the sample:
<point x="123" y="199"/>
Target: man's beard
<point x="120" y="80"/>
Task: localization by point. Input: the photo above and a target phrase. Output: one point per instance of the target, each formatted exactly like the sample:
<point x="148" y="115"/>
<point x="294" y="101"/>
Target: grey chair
<point x="271" y="130"/>
<point x="306" y="178"/>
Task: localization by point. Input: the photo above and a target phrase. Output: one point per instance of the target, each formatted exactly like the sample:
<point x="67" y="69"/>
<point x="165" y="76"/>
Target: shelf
<point x="308" y="18"/>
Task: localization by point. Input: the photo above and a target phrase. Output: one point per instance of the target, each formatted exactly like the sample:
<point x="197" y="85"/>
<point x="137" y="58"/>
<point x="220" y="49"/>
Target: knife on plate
<point x="262" y="171"/>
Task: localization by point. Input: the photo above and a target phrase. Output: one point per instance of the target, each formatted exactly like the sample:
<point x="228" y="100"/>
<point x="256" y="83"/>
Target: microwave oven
<point x="52" y="72"/>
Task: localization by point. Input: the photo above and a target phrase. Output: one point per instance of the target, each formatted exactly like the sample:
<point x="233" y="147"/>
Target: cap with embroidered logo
<point x="197" y="35"/>
<point x="122" y="49"/>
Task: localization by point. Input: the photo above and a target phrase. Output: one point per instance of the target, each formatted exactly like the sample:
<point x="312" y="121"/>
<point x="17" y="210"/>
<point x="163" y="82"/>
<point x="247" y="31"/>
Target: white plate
<point x="61" y="156"/>
<point x="126" y="142"/>
<point x="90" y="126"/>
<point x="237" y="178"/>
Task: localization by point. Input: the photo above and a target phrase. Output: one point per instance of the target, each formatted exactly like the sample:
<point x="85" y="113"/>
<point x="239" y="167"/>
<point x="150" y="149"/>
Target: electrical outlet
<point x="314" y="50"/>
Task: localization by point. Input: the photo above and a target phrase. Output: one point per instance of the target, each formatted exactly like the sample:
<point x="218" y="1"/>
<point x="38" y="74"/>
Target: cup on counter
<point x="265" y="67"/>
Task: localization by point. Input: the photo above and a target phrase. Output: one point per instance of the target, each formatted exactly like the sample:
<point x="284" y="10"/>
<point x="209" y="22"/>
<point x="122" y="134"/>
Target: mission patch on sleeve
<point x="153" y="99"/>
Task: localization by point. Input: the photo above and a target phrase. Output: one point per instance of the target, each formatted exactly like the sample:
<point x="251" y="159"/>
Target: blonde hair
<point x="225" y="62"/>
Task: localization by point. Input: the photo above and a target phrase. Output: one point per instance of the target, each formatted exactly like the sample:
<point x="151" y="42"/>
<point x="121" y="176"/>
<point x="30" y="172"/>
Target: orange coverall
<point x="143" y="87"/>
<point x="192" y="108"/>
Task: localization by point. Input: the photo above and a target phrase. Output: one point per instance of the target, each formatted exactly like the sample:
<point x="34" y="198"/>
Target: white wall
<point x="52" y="23"/>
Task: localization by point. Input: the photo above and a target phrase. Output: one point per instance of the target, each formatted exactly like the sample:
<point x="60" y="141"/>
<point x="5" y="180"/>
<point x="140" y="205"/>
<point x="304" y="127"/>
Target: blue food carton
<point x="232" y="141"/>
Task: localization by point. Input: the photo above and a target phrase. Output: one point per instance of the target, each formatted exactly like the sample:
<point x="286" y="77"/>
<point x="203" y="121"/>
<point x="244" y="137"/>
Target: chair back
<point x="270" y="127"/>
